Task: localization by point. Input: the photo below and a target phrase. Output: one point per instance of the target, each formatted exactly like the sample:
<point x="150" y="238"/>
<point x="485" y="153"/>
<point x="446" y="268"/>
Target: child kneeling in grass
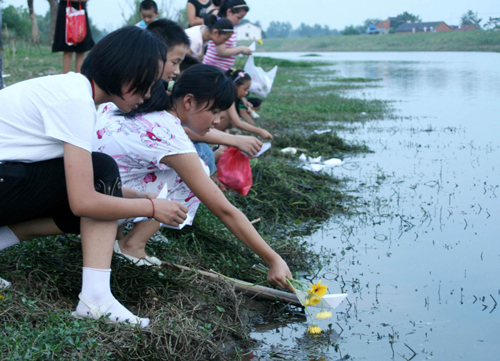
<point x="153" y="151"/>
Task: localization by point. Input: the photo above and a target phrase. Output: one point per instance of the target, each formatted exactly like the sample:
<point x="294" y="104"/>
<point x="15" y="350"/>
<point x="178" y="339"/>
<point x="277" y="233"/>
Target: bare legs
<point x="134" y="243"/>
<point x="67" y="60"/>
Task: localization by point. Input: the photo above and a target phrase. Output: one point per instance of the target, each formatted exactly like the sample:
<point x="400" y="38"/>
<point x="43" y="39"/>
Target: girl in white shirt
<point x="153" y="151"/>
<point x="50" y="182"/>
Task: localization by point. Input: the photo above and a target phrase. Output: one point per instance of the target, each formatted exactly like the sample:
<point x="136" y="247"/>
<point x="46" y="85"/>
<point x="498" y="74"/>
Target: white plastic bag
<point x="262" y="81"/>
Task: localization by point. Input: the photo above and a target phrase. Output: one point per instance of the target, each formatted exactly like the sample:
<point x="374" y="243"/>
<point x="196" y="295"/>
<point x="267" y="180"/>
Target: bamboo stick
<point x="246" y="287"/>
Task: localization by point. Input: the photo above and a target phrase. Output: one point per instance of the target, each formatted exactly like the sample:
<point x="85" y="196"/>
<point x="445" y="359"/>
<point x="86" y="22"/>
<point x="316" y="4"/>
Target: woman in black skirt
<point x="60" y="37"/>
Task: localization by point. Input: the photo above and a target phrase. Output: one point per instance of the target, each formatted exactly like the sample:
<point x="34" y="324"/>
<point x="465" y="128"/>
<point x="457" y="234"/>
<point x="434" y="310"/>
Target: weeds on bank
<point x="193" y="319"/>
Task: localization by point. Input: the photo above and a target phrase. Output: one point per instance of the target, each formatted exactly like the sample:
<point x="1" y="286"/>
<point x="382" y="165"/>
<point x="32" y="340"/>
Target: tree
<point x="350" y="30"/>
<point x="17" y="20"/>
<point x="53" y="17"/>
<point x="471" y="18"/>
<point x="405" y="17"/>
<point x="35" y="38"/>
<point x="278" y="29"/>
<point x="493" y="24"/>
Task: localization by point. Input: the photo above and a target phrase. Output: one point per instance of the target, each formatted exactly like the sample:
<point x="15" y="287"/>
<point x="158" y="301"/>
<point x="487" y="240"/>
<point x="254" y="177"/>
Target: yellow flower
<point x="2" y="297"/>
<point x="260" y="41"/>
<point x="312" y="299"/>
<point x="319" y="289"/>
<point x="323" y="315"/>
<point x="314" y="328"/>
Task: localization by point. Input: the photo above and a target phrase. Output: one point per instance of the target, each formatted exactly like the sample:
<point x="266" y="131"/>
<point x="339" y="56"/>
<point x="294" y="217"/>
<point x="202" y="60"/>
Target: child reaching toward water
<point x="52" y="183"/>
<point x="224" y="55"/>
<point x="217" y="30"/>
<point x="231" y="118"/>
<point x="243" y="81"/>
<point x="153" y="151"/>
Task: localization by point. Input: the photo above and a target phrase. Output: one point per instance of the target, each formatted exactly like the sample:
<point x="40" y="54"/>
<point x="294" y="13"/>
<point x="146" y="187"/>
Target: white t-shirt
<point x="196" y="39"/>
<point x="38" y="115"/>
<point x="138" y="145"/>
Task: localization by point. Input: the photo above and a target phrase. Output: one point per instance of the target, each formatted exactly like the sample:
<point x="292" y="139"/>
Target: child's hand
<point x="169" y="212"/>
<point x="265" y="134"/>
<point x="278" y="273"/>
<point x="247" y="104"/>
<point x="246" y="50"/>
<point x="248" y="144"/>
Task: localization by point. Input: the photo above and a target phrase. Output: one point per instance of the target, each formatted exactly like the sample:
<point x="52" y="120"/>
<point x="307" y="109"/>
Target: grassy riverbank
<point x="445" y="41"/>
<point x="192" y="319"/>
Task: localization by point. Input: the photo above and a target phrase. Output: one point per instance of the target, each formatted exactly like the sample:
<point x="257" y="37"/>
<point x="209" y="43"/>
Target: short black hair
<point x="169" y="32"/>
<point x="236" y="7"/>
<point x="128" y="56"/>
<point x="238" y="76"/>
<point x="222" y="24"/>
<point x="188" y="62"/>
<point x="148" y="5"/>
<point x="207" y="83"/>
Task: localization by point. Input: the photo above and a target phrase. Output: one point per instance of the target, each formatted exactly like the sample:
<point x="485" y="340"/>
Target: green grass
<point x="445" y="41"/>
<point x="193" y="319"/>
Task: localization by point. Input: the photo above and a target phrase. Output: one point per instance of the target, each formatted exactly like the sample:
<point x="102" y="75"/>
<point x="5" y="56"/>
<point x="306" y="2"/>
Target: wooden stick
<point x="246" y="287"/>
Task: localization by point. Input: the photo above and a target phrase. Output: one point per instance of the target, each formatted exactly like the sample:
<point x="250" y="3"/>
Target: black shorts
<point x="37" y="190"/>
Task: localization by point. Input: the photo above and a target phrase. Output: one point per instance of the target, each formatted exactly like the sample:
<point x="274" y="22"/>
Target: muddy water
<point x="421" y="263"/>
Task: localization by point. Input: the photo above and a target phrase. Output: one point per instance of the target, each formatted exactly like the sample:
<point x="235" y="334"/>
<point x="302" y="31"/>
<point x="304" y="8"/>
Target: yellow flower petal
<point x="319" y="289"/>
<point x="312" y="300"/>
<point x="323" y="315"/>
<point x="314" y="328"/>
<point x="2" y="297"/>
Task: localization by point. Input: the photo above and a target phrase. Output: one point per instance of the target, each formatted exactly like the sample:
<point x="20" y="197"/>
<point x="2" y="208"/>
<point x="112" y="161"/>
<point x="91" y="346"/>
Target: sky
<point x="337" y="14"/>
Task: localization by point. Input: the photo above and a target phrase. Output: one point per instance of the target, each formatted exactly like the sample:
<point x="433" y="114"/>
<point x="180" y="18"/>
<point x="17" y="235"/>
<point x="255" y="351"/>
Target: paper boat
<point x="329" y="301"/>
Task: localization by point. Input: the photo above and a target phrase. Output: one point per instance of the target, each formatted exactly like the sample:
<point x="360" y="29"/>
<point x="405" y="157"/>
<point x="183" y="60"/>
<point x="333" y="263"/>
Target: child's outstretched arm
<point x="245" y="143"/>
<point x="235" y="120"/>
<point x="190" y="170"/>
<point x="246" y="117"/>
<point x="225" y="52"/>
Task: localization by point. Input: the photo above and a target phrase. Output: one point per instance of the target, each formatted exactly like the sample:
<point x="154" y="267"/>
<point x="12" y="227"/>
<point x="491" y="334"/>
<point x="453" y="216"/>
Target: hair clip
<point x="170" y="87"/>
<point x="241" y="75"/>
<point x="239" y="6"/>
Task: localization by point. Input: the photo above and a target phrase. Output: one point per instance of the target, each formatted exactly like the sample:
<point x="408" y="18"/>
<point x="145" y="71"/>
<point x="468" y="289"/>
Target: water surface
<point x="421" y="263"/>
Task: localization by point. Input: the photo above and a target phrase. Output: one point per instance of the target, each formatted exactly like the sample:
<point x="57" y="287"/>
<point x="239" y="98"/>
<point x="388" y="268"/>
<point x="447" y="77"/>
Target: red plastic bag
<point x="76" y="25"/>
<point x="234" y="171"/>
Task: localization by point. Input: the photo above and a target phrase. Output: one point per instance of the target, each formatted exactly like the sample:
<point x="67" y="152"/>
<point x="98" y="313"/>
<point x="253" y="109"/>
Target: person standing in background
<point x="196" y="10"/>
<point x="2" y="85"/>
<point x="60" y="37"/>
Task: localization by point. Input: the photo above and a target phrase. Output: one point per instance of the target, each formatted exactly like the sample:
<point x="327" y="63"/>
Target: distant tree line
<point x="278" y="29"/>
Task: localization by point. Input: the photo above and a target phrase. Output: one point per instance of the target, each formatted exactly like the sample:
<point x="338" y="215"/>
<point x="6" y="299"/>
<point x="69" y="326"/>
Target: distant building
<point x="429" y="27"/>
<point x="463" y="27"/>
<point x="384" y="26"/>
<point x="248" y="31"/>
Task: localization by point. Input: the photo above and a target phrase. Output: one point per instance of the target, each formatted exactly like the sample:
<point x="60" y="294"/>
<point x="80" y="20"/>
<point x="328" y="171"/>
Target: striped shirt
<point x="211" y="57"/>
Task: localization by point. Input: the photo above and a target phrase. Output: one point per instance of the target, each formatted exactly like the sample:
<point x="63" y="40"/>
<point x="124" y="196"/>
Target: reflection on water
<point x="422" y="260"/>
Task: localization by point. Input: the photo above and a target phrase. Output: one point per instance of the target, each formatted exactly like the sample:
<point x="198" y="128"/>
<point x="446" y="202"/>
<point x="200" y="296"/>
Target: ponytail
<point x="238" y="76"/>
<point x="222" y="24"/>
<point x="236" y="7"/>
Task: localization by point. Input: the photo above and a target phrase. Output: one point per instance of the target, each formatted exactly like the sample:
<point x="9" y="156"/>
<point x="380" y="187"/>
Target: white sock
<point x="7" y="238"/>
<point x="96" y="290"/>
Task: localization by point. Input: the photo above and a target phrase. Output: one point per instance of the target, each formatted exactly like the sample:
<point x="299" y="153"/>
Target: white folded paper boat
<point x="328" y="301"/>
